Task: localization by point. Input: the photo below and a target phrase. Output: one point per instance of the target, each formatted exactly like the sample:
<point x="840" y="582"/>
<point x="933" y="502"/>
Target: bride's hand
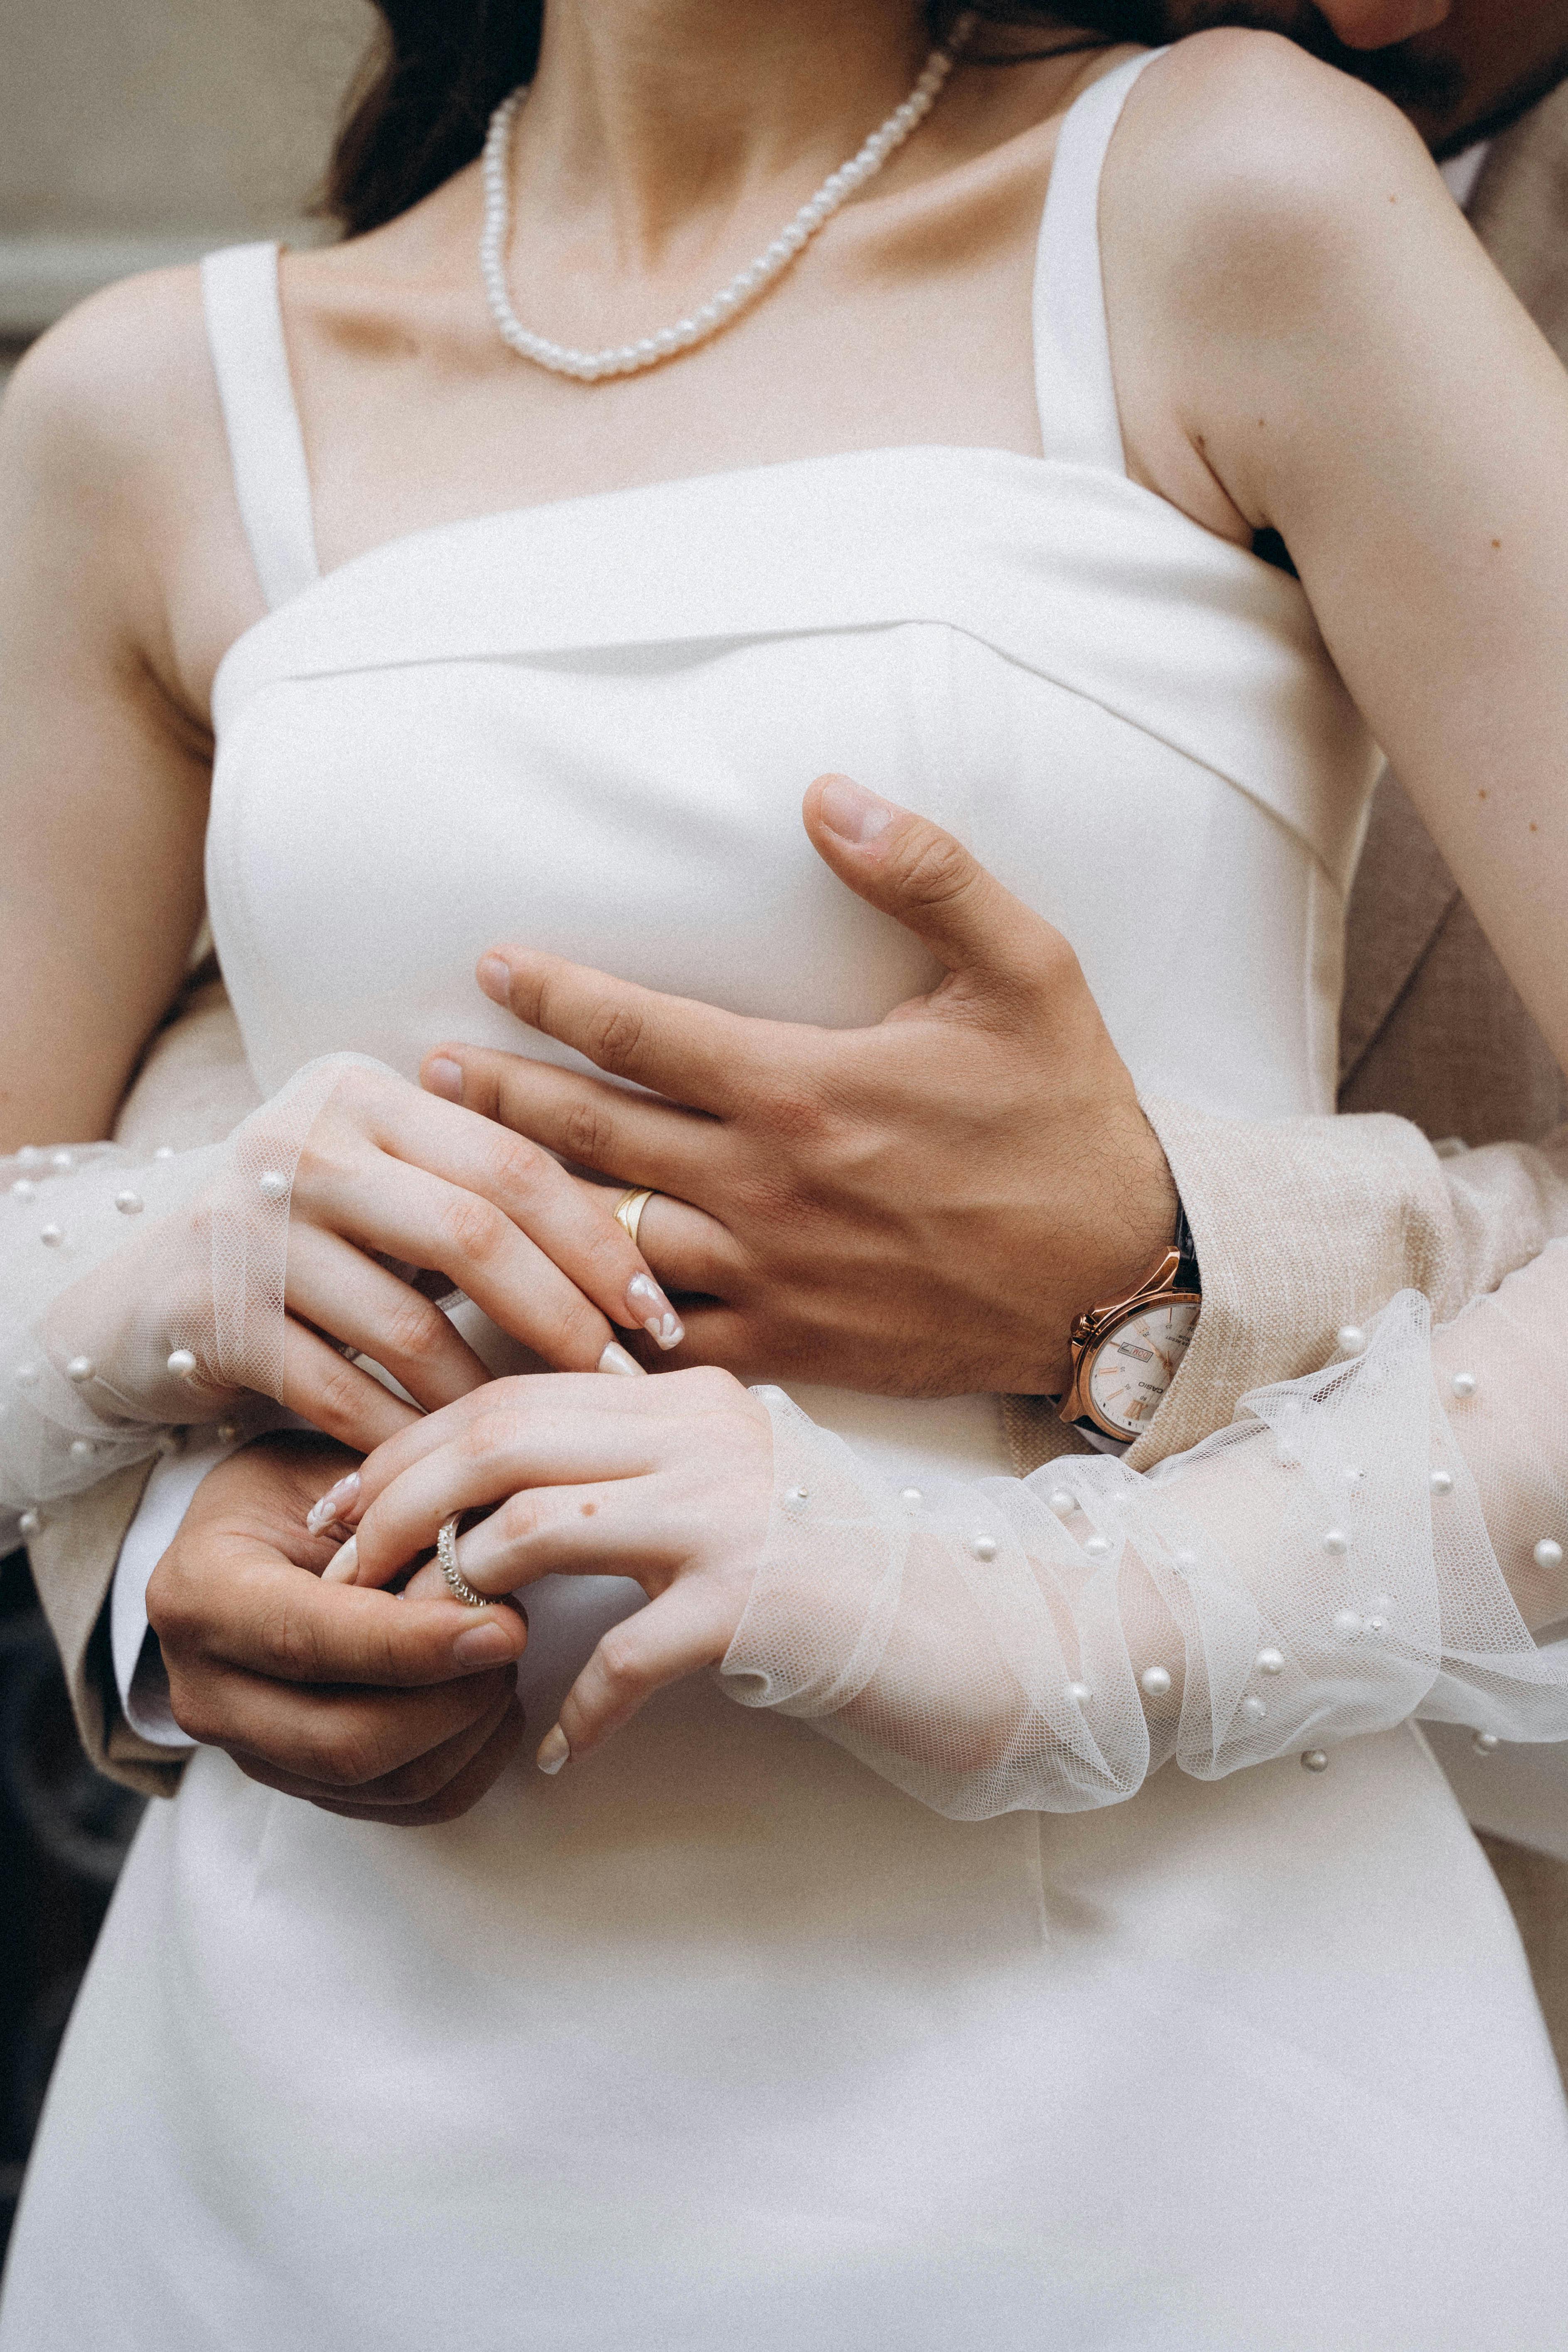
<point x="307" y="1241"/>
<point x="666" y="1481"/>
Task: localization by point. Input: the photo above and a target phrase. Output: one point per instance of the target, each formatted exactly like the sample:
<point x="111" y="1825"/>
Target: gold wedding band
<point x="446" y="1553"/>
<point x="628" y="1212"/>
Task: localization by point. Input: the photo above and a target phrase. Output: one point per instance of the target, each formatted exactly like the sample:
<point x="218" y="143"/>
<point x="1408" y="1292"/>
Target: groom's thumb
<point x="914" y="871"/>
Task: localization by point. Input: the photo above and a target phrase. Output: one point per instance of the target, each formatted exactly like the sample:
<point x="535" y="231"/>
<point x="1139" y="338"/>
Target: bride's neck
<point x="646" y="117"/>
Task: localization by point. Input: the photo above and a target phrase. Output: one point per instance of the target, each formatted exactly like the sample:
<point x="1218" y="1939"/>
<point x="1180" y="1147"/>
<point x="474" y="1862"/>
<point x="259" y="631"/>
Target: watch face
<point x="1136" y="1364"/>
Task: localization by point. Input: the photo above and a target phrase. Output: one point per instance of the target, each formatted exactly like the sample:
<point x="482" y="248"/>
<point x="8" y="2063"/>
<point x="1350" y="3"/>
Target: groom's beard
<point x="1406" y="73"/>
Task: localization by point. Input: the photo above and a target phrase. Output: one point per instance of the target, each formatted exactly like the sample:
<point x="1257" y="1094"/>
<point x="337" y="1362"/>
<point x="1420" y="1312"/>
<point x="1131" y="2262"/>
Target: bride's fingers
<point x="335" y="1396"/>
<point x="335" y="1287"/>
<point x="687" y="1628"/>
<point x="573" y="1226"/>
<point x="491" y="1462"/>
<point x="542" y="1397"/>
<point x="386" y="1204"/>
<point x="689" y="1250"/>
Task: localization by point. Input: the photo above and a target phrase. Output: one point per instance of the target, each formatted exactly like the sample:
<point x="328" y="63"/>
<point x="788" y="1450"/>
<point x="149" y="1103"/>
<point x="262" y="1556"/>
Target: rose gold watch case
<point x="1091" y="1332"/>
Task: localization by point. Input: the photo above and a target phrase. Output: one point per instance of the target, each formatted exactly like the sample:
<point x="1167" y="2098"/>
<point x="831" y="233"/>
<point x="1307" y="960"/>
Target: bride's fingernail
<point x="554" y="1750"/>
<point x="331" y="1505"/>
<point x="343" y="1566"/>
<point x="495" y="980"/>
<point x="615" y="1358"/>
<point x="444" y="1079"/>
<point x="652" y="1310"/>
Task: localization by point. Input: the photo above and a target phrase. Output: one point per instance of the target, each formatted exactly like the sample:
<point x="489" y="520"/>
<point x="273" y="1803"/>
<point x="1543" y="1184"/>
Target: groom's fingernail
<point x="333" y="1504"/>
<point x="343" y="1566"/>
<point x="554" y="1749"/>
<point x="444" y="1078"/>
<point x="854" y="814"/>
<point x="616" y="1358"/>
<point x="653" y="1311"/>
<point x="495" y="978"/>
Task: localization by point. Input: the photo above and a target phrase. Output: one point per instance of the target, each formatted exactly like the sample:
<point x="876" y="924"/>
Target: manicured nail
<point x="444" y="1079"/>
<point x="332" y="1505"/>
<point x="482" y="1645"/>
<point x="343" y="1566"/>
<point x="495" y="978"/>
<point x="651" y="1309"/>
<point x="854" y="814"/>
<point x="615" y="1358"/>
<point x="554" y="1750"/>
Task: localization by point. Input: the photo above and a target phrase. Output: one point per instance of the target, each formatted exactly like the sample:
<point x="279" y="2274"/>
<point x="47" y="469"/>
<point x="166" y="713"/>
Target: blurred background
<point x="139" y="133"/>
<point x="133" y="133"/>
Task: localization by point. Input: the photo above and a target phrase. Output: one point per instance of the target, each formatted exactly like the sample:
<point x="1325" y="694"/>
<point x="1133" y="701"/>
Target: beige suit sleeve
<point x="193" y="1087"/>
<point x="1304" y="1226"/>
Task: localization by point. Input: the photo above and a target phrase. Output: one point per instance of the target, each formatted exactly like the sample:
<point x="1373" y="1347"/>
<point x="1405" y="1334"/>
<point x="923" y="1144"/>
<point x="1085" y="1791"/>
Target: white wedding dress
<point x="718" y="2040"/>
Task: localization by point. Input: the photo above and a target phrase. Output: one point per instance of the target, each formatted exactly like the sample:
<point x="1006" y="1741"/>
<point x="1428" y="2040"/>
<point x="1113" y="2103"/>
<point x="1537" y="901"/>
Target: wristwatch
<point x="1128" y="1350"/>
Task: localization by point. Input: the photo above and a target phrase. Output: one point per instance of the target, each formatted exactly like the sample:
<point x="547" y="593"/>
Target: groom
<point x="1303" y="1226"/>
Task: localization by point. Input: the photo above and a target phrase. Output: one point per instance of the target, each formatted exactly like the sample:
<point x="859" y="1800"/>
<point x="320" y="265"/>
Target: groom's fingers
<point x="589" y="1122"/>
<point x="687" y="1052"/>
<point x="927" y="880"/>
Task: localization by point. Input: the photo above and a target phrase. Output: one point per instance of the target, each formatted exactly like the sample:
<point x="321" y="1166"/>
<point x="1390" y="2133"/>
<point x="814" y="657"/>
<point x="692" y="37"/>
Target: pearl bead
<point x="1378" y="1627"/>
<point x="30" y="1156"/>
<point x="31" y="1523"/>
<point x="271" y="1184"/>
<point x="26" y="1376"/>
<point x="130" y="1204"/>
<point x="227" y="1431"/>
<point x="81" y="1449"/>
<point x="983" y="1547"/>
<point x="62" y="1162"/>
<point x="1079" y="1693"/>
<point x="797" y="1497"/>
<point x="1351" y="1338"/>
<point x="24" y="1189"/>
<point x="1097" y="1547"/>
<point x="1254" y="1709"/>
<point x="1062" y="1503"/>
<point x="52" y="1236"/>
<point x="1441" y="1483"/>
<point x="1155" y="1681"/>
<point x="1347" y="1624"/>
<point x="182" y="1363"/>
<point x="1270" y="1662"/>
<point x="79" y="1369"/>
<point x="165" y="1151"/>
<point x="1485" y="1743"/>
<point x="1463" y="1384"/>
<point x="1314" y="1760"/>
<point x="1354" y="1476"/>
<point x="1336" y="1543"/>
<point x="1547" y="1554"/>
<point x="1186" y="1560"/>
<point x="912" y="1499"/>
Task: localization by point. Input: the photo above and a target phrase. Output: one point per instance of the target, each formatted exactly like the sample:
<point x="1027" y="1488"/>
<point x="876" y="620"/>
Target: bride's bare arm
<point x="1307" y="337"/>
<point x="123" y="575"/>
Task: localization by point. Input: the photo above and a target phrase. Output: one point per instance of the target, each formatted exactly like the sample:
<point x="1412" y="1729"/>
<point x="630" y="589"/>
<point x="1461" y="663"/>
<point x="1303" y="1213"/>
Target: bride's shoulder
<point x="1240" y="148"/>
<point x="116" y="400"/>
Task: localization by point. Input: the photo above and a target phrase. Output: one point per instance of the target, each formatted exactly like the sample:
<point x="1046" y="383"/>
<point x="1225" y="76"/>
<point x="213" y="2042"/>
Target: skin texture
<point x="1318" y="280"/>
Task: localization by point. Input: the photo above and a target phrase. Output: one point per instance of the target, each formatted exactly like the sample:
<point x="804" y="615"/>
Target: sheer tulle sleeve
<point x="1369" y="1543"/>
<point x="142" y="1293"/>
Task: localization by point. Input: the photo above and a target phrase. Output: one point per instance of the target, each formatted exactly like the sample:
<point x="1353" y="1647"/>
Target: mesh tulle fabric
<point x="1356" y="1548"/>
<point x="114" y="1261"/>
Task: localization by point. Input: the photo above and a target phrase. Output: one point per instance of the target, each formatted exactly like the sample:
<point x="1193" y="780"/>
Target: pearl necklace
<point x="745" y="287"/>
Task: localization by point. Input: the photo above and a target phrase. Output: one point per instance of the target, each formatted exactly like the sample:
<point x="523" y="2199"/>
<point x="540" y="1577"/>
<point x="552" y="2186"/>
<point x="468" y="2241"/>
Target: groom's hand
<point x="361" y="1702"/>
<point x="920" y="1208"/>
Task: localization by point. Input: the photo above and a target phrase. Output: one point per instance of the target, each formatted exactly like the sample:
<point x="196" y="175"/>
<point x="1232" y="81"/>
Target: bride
<point x="509" y="623"/>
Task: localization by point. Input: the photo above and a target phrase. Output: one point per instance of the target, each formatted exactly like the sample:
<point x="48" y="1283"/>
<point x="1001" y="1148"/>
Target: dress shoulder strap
<point x="1073" y="381"/>
<point x="266" y="447"/>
